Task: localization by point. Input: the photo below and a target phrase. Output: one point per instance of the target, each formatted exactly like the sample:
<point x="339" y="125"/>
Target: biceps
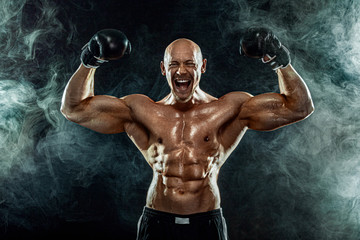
<point x="267" y="112"/>
<point x="104" y="114"/>
<point x="266" y="121"/>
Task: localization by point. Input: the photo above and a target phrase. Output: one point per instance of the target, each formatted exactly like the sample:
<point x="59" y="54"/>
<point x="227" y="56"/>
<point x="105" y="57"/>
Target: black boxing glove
<point x="261" y="42"/>
<point x="105" y="45"/>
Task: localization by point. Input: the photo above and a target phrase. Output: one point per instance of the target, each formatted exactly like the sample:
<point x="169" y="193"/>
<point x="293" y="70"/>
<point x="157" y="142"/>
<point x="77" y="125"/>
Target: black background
<point x="58" y="179"/>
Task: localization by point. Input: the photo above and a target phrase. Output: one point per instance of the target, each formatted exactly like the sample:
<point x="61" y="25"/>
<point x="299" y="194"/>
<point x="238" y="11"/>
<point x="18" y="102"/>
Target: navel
<point x="155" y="152"/>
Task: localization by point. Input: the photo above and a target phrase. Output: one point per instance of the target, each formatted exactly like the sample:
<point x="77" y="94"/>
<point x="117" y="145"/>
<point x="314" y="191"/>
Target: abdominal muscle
<point x="183" y="185"/>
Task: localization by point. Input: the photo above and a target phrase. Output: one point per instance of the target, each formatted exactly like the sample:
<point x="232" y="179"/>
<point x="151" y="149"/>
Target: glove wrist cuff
<point x="88" y="59"/>
<point x="280" y="59"/>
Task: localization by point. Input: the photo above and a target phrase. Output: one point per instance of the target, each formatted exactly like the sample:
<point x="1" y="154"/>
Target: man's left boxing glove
<point x="105" y="45"/>
<point x="261" y="42"/>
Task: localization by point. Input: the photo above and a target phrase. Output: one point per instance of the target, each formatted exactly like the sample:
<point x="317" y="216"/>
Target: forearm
<point x="293" y="87"/>
<point x="79" y="87"/>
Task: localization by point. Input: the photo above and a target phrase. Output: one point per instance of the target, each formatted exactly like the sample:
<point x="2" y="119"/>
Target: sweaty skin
<point x="187" y="136"/>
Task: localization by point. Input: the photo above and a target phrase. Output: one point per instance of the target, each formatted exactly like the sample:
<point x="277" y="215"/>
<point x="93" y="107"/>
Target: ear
<point x="162" y="67"/>
<point x="203" y="67"/>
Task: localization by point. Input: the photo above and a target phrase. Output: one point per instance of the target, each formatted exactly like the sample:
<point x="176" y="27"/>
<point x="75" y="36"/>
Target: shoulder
<point x="135" y="100"/>
<point x="236" y="97"/>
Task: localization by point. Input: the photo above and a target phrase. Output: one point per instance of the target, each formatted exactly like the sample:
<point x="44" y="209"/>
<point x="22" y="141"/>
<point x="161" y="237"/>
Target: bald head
<point x="183" y="65"/>
<point x="182" y="44"/>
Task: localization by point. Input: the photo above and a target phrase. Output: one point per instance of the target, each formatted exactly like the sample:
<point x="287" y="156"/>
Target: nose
<point x="181" y="70"/>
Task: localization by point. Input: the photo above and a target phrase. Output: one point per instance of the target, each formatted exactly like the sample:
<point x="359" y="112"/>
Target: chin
<point x="182" y="100"/>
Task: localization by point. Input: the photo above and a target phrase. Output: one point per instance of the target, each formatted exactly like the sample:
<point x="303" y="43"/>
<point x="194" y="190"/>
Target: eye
<point x="173" y="64"/>
<point x="190" y="64"/>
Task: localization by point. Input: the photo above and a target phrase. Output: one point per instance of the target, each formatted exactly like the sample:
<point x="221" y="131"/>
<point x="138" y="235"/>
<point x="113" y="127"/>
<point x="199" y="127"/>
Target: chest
<point x="194" y="127"/>
<point x="190" y="130"/>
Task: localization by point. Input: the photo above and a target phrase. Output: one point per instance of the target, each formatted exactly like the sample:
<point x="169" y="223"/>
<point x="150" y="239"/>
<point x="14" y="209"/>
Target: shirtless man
<point x="187" y="136"/>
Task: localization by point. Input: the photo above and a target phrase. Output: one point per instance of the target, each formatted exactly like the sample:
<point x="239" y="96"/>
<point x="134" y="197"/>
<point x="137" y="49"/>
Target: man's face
<point x="182" y="66"/>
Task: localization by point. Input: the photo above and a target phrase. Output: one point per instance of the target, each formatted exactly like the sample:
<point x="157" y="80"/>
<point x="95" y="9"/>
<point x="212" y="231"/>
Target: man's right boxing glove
<point x="261" y="42"/>
<point x="105" y="45"/>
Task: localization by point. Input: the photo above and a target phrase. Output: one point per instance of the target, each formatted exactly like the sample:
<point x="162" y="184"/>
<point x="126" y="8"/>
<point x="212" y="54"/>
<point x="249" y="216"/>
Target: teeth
<point x="182" y="80"/>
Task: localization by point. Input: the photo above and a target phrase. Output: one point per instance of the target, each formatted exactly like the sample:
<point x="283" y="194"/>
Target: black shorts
<point x="157" y="225"/>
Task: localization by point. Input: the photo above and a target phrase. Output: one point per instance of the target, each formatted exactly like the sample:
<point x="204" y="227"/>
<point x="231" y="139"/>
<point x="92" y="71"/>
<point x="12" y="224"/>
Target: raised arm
<point x="104" y="114"/>
<point x="273" y="110"/>
<point x="269" y="111"/>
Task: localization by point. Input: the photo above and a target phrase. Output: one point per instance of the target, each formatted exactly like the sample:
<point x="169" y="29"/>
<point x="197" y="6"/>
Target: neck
<point x="198" y="97"/>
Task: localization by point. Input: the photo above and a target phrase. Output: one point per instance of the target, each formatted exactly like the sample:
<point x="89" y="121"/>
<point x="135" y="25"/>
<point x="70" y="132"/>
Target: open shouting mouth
<point x="182" y="85"/>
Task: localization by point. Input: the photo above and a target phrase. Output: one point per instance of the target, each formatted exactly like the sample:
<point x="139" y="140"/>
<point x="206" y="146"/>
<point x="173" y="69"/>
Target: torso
<point x="185" y="150"/>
